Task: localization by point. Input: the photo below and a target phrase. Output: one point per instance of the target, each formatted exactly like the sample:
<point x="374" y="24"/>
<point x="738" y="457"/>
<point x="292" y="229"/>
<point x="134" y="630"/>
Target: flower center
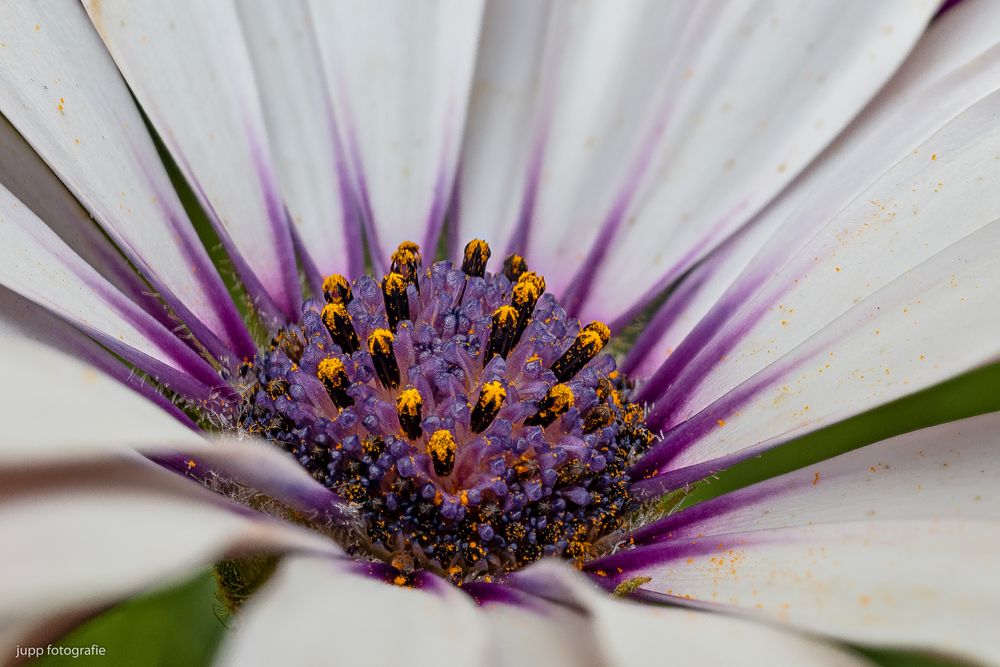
<point x="474" y="426"/>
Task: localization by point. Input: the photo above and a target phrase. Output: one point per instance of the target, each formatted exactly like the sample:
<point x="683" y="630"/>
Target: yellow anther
<point x="561" y="398"/>
<point x="332" y="312"/>
<point x="525" y="294"/>
<point x="600" y="329"/>
<point x="491" y="397"/>
<point x="336" y="289"/>
<point x="477" y="253"/>
<point x="505" y="316"/>
<point x="332" y="371"/>
<point x="384" y="358"/>
<point x="406" y="260"/>
<point x="557" y="401"/>
<point x="393" y="283"/>
<point x="591" y="340"/>
<point x="514" y="266"/>
<point x="409" y="408"/>
<point x="333" y="375"/>
<point x="380" y="342"/>
<point x="441" y="448"/>
<point x="409" y="403"/>
<point x="534" y="279"/>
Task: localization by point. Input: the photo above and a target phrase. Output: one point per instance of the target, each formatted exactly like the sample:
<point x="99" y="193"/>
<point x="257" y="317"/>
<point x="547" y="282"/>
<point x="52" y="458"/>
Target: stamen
<point x="441" y="448"/>
<point x="513" y="267"/>
<point x="477" y="253"/>
<point x="332" y="373"/>
<point x="384" y="358"/>
<point x="338" y="323"/>
<point x="503" y="333"/>
<point x="408" y="406"/>
<point x="491" y="398"/>
<point x="557" y="401"/>
<point x="406" y="261"/>
<point x="397" y="303"/>
<point x="591" y="340"/>
<point x="337" y="289"/>
<point x="529" y="288"/>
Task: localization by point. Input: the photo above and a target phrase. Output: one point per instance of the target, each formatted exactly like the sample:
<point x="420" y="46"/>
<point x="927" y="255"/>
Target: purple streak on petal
<point x="262" y="300"/>
<point x="452" y="243"/>
<point x="519" y="239"/>
<point x="318" y="504"/>
<point x="581" y="284"/>
<point x="313" y="276"/>
<point x="183" y="357"/>
<point x="674" y="273"/>
<point x="947" y="5"/>
<point x="362" y="197"/>
<point x="548" y="588"/>
<point x="679" y="478"/>
<point x="624" y="565"/>
<point x="88" y="351"/>
<point x="675" y="305"/>
<point x="351" y="215"/>
<point x="444" y="187"/>
<point x="684" y="524"/>
<point x="281" y="238"/>
<point x="684" y="435"/>
<point x="238" y="340"/>
<point x="681" y="361"/>
<point x="486" y="594"/>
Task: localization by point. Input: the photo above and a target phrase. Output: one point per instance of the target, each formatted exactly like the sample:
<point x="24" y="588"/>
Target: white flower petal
<point x="687" y="121"/>
<point x="399" y="76"/>
<point x="36" y="264"/>
<point x="81" y="537"/>
<point x="44" y="333"/>
<point x="188" y="66"/>
<point x="526" y="630"/>
<point x="894" y="291"/>
<point x="57" y="407"/>
<point x="633" y="634"/>
<point x="321" y="612"/>
<point x="309" y="160"/>
<point x="943" y="77"/>
<point x="61" y="91"/>
<point x="946" y="472"/>
<point x="919" y="584"/>
<point x="29" y="179"/>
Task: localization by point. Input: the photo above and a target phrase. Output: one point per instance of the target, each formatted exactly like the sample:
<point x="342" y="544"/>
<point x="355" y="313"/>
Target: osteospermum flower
<point x="466" y="460"/>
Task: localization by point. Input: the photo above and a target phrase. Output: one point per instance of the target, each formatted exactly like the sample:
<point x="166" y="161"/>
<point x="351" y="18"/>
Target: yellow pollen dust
<point x="331" y="312"/>
<point x="600" y="329"/>
<point x="394" y="283"/>
<point x="380" y="342"/>
<point x="492" y="395"/>
<point x="442" y="447"/>
<point x="477" y="248"/>
<point x="334" y="285"/>
<point x="409" y="403"/>
<point x="525" y="293"/>
<point x="506" y="316"/>
<point x="407" y="253"/>
<point x="331" y="370"/>
<point x="533" y="279"/>
<point x="561" y="397"/>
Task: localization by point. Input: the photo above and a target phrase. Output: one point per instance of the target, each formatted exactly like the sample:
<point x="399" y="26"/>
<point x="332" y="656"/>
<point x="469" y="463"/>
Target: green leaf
<point x="177" y="626"/>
